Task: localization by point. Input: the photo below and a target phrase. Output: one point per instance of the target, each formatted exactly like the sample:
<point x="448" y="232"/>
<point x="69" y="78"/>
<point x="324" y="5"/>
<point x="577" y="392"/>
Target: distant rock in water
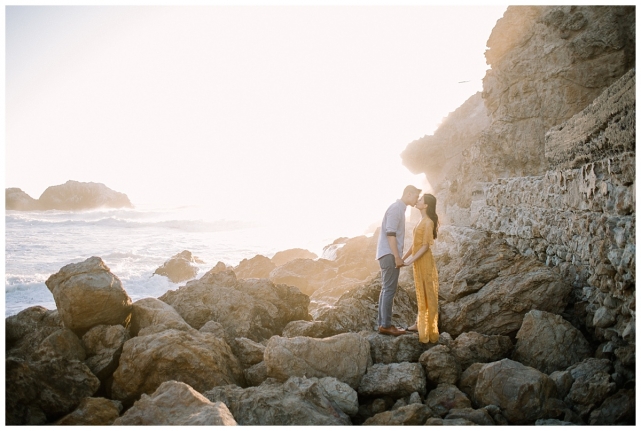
<point x="180" y="267"/>
<point x="70" y="196"/>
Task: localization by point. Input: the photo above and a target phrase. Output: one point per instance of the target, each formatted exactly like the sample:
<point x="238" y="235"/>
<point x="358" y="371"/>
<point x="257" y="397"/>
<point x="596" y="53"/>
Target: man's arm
<point x="391" y="239"/>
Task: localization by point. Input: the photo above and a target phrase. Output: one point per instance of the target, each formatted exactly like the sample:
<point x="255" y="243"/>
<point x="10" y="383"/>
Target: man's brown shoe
<point x="392" y="330"/>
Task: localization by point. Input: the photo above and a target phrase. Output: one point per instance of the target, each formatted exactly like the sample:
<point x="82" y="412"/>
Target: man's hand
<point x="399" y="261"/>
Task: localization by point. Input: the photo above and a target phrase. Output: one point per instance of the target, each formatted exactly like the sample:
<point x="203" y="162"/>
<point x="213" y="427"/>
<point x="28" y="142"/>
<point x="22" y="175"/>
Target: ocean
<point x="133" y="243"/>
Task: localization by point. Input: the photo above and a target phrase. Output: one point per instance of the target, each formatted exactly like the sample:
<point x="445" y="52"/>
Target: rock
<point x="388" y="350"/>
<point x="45" y="390"/>
<point x="498" y="307"/>
<point x="305" y="328"/>
<point x="176" y="403"/>
<point x="394" y="380"/>
<point x="549" y="343"/>
<point x="478" y="417"/>
<point x="448" y="422"/>
<point x="413" y="414"/>
<point x="472" y="347"/>
<point x="152" y="312"/>
<point x="247" y="351"/>
<point x="306" y="274"/>
<point x="214" y="328"/>
<point x="256" y="374"/>
<point x="258" y="266"/>
<point x="440" y="366"/>
<point x="563" y="381"/>
<point x="254" y="309"/>
<point x="357" y="309"/>
<point x="445" y="398"/>
<point x="180" y="267"/>
<point x="592" y="385"/>
<point x="17" y="200"/>
<point x="340" y="394"/>
<point x="93" y="411"/>
<point x="200" y="360"/>
<point x="78" y="288"/>
<point x="467" y="382"/>
<point x="618" y="409"/>
<point x="29" y="327"/>
<point x="81" y="196"/>
<point x="298" y="401"/>
<point x="344" y="356"/>
<point x="552" y="422"/>
<point x="103" y="345"/>
<point x="282" y="257"/>
<point x="61" y="344"/>
<point x="519" y="391"/>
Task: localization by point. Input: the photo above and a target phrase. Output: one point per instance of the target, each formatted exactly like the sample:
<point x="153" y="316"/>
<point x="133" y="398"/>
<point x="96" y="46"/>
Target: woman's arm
<point x="408" y="254"/>
<point x="421" y="251"/>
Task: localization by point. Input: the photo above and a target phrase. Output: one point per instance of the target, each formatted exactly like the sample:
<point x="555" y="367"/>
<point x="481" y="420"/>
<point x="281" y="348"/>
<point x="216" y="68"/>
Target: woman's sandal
<point x="411" y="330"/>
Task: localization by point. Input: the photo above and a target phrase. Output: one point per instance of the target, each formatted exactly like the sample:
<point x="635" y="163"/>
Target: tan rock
<point x="440" y="365"/>
<point x="412" y="414"/>
<point x="472" y="347"/>
<point x="148" y="312"/>
<point x="388" y="350"/>
<point x="307" y="274"/>
<point x="179" y="267"/>
<point x="394" y="380"/>
<point x="61" y="344"/>
<point x="258" y="266"/>
<point x="93" y="411"/>
<point x="618" y="409"/>
<point x="591" y="385"/>
<point x="88" y="294"/>
<point x="103" y="345"/>
<point x="198" y="359"/>
<point x="176" y="403"/>
<point x="445" y="398"/>
<point x="344" y="356"/>
<point x="282" y="257"/>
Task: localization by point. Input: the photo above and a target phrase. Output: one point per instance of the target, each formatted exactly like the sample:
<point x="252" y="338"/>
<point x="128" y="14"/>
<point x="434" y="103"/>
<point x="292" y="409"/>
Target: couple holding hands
<point x="388" y="254"/>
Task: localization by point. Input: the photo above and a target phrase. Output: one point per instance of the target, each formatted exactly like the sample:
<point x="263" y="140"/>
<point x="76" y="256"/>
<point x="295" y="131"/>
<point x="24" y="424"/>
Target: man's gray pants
<point x="389" y="276"/>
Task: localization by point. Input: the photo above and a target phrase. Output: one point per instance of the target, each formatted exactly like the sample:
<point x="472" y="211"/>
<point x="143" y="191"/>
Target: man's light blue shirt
<point x="393" y="223"/>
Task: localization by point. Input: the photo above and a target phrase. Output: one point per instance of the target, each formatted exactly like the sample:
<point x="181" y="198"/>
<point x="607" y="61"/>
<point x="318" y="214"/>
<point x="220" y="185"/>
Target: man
<point x="388" y="254"/>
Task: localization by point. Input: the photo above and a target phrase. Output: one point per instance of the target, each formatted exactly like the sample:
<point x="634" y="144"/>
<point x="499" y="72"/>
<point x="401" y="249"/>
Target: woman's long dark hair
<point x="430" y="200"/>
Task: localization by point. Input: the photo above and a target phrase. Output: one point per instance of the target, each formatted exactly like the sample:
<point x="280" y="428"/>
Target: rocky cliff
<point x="70" y="196"/>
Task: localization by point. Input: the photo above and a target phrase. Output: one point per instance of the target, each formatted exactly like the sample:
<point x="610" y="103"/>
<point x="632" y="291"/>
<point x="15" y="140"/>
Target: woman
<point x="425" y="274"/>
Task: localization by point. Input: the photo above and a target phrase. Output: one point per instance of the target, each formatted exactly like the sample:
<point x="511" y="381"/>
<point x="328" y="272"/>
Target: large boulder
<point x="282" y="257"/>
<point x="44" y="391"/>
<point x="80" y="196"/>
<point x="298" y="401"/>
<point x="618" y="409"/>
<point x="179" y="267"/>
<point x="478" y="416"/>
<point x="472" y="347"/>
<point x="199" y="359"/>
<point x="445" y="398"/>
<point x="549" y="343"/>
<point x="412" y="414"/>
<point x="176" y="403"/>
<point x="26" y="330"/>
<point x="154" y="313"/>
<point x="440" y="365"/>
<point x="591" y="385"/>
<point x="254" y="308"/>
<point x="520" y="392"/>
<point x="258" y="266"/>
<point x="307" y="274"/>
<point x="388" y="350"/>
<point x="93" y="411"/>
<point x="394" y="380"/>
<point x="63" y="343"/>
<point x="343" y="356"/>
<point x="247" y="351"/>
<point x="103" y="345"/>
<point x="87" y="294"/>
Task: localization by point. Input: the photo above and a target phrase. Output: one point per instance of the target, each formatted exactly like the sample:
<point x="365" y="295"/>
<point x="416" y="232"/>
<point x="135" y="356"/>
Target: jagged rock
<point x="357" y="309"/>
<point x="412" y="414"/>
<point x="152" y="312"/>
<point x="549" y="343"/>
<point x="256" y="374"/>
<point x="512" y="386"/>
<point x="440" y="365"/>
<point x="478" y="417"/>
<point x="394" y="380"/>
<point x="45" y="390"/>
<point x="467" y="381"/>
<point x="61" y="344"/>
<point x="298" y="401"/>
<point x="103" y="345"/>
<point x="93" y="411"/>
<point x="17" y="200"/>
<point x="176" y="403"/>
<point x="448" y="422"/>
<point x="388" y="350"/>
<point x="472" y="347"/>
<point x="214" y="328"/>
<point x="445" y="398"/>
<point x="179" y="267"/>
<point x="307" y="274"/>
<point x="199" y="359"/>
<point x="79" y="196"/>
<point x="618" y="409"/>
<point x="341" y="394"/>
<point x="254" y="308"/>
<point x="563" y="381"/>
<point x="592" y="385"/>
<point x="552" y="422"/>
<point x="344" y="356"/>
<point x="258" y="266"/>
<point x="88" y="294"/>
<point x="247" y="351"/>
<point x="306" y="328"/>
<point x="282" y="257"/>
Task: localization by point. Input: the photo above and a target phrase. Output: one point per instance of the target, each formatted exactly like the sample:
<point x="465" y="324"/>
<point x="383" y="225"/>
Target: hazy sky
<point x="253" y="111"/>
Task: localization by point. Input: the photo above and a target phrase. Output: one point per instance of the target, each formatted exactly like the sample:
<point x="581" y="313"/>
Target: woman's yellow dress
<point x="426" y="283"/>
